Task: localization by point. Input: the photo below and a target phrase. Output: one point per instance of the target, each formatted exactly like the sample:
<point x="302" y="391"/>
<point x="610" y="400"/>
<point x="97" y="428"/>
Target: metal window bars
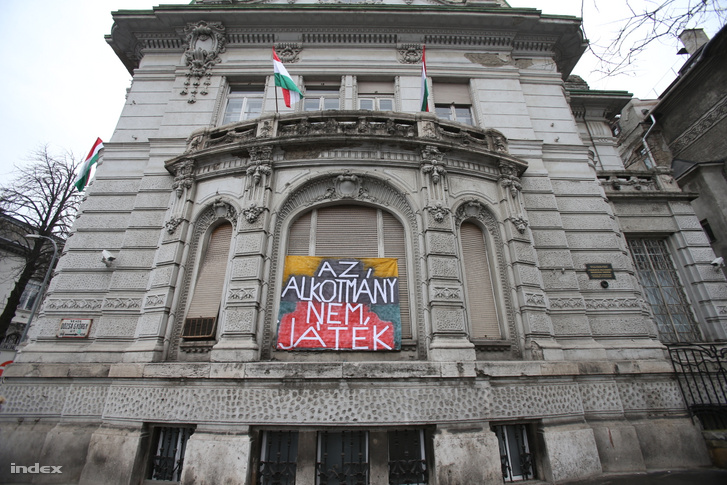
<point x="342" y="458"/>
<point x="168" y="457"/>
<point x="278" y="458"/>
<point x="515" y="455"/>
<point x="407" y="458"/>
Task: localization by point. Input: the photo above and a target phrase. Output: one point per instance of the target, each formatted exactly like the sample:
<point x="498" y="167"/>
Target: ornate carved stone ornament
<point x="347" y="185"/>
<point x="433" y="163"/>
<point x="173" y="224"/>
<point x="409" y="53"/>
<point x="222" y="209"/>
<point x="260" y="163"/>
<point x="288" y="52"/>
<point x="438" y="212"/>
<point x="708" y="121"/>
<point x="252" y="213"/>
<point x="205" y="42"/>
<point x="509" y="178"/>
<point x="520" y="224"/>
<point x="183" y="176"/>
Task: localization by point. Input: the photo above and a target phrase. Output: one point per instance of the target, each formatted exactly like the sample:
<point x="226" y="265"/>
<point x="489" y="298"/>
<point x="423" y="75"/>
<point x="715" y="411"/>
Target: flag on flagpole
<point x="424" y="101"/>
<point x="91" y="160"/>
<point x="291" y="93"/>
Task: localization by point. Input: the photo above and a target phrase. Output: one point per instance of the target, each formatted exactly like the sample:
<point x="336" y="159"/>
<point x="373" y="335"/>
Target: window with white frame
<point x="278" y="458"/>
<point x="29" y="296"/>
<point x="166" y="455"/>
<point x="243" y="103"/>
<point x="663" y="290"/>
<point x="452" y="102"/>
<point x="321" y="96"/>
<point x="376" y="96"/>
<point x="516" y="457"/>
<point x="342" y="458"/>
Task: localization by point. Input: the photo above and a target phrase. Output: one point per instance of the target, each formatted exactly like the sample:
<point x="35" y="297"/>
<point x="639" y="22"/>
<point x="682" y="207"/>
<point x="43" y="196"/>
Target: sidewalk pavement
<point x="704" y="476"/>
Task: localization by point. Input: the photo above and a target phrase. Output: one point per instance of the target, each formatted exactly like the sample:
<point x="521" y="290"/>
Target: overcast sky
<point x="62" y="85"/>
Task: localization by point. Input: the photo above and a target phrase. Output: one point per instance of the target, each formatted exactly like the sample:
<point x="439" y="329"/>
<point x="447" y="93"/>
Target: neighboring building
<point x="687" y="127"/>
<point x="480" y="310"/>
<point x="12" y="262"/>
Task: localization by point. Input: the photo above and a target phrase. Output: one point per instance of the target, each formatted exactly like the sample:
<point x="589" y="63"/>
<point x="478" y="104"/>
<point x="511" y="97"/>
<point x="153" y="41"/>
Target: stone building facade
<point x="524" y="347"/>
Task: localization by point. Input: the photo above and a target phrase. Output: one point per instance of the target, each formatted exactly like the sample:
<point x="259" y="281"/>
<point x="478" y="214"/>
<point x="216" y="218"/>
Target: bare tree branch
<point x="649" y="21"/>
<point x="42" y="200"/>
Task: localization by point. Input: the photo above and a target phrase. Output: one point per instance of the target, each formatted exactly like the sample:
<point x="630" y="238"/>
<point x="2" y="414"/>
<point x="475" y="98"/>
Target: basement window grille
<point x="167" y="455"/>
<point x="343" y="458"/>
<point x="199" y="328"/>
<point x="407" y="458"/>
<point x="278" y="458"/>
<point x="515" y="455"/>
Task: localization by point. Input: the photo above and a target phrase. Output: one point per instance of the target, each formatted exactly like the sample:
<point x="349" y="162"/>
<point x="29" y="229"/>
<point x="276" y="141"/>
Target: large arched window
<point x="204" y="306"/>
<point x="354" y="231"/>
<point x="482" y="310"/>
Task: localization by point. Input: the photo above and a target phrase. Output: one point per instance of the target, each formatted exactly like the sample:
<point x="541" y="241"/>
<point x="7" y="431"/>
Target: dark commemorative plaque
<point x="600" y="271"/>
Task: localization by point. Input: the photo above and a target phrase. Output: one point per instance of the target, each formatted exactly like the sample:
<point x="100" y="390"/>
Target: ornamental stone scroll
<point x="205" y="42"/>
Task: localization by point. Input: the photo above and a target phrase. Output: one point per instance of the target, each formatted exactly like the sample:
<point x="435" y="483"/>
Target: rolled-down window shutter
<point x="395" y="247"/>
<point x="482" y="311"/>
<point x="451" y="93"/>
<point x="347" y="232"/>
<point x="205" y="304"/>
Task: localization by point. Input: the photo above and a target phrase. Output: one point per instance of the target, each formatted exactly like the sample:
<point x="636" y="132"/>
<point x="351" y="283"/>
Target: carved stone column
<point x="449" y="340"/>
<point x="243" y="302"/>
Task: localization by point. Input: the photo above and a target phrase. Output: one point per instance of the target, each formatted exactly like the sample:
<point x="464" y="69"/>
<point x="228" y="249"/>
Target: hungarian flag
<point x="291" y="93"/>
<point x="424" y="101"/>
<point x="91" y="159"/>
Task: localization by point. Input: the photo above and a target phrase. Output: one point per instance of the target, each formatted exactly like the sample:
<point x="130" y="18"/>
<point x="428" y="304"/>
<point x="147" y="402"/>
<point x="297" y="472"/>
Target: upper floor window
<point x="243" y="103"/>
<point x="29" y="296"/>
<point x="376" y="96"/>
<point x="452" y="102"/>
<point x="663" y="291"/>
<point x="453" y="112"/>
<point x="479" y="292"/>
<point x="320" y="96"/>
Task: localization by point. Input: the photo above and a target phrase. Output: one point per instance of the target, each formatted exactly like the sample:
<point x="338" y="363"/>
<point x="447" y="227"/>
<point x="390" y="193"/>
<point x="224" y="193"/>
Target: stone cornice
<point x="521" y="30"/>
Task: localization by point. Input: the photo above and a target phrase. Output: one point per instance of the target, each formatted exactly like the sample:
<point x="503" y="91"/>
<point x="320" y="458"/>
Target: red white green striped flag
<point x="424" y="101"/>
<point x="91" y="160"/>
<point x="291" y="93"/>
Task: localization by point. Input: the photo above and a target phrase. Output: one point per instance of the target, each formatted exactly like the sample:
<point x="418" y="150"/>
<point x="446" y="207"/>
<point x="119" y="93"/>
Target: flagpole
<point x="275" y="86"/>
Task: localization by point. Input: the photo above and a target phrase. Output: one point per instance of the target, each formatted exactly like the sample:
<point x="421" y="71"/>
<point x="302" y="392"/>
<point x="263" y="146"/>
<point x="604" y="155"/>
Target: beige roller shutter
<point x="299" y="236"/>
<point x="208" y="289"/>
<point x="449" y="93"/>
<point x="478" y="282"/>
<point x="395" y="247"/>
<point x="347" y="231"/>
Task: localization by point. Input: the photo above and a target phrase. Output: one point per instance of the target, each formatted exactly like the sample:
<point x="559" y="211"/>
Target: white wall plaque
<point x="74" y="327"/>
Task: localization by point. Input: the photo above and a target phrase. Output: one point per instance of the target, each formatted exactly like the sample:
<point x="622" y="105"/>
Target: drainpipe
<point x="646" y="145"/>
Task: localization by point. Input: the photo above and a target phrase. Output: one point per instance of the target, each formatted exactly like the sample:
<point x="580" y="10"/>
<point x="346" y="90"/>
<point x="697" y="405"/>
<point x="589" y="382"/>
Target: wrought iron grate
<point x="407" y="458"/>
<point x="278" y="458"/>
<point x="701" y="371"/>
<point x="343" y="458"/>
<point x="199" y="328"/>
<point x="516" y="457"/>
<point x="168" y="453"/>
